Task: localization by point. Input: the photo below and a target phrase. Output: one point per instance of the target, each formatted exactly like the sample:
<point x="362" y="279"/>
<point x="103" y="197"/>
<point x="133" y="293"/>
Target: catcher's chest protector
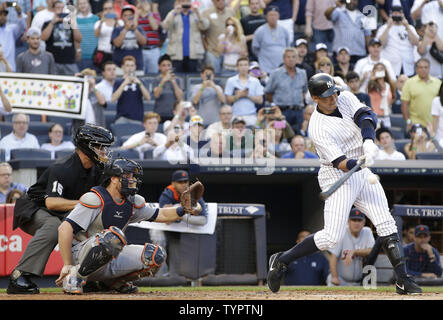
<point x="113" y="214"/>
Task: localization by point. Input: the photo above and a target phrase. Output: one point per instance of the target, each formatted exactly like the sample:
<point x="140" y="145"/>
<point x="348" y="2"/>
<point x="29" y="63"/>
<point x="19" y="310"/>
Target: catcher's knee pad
<point x="153" y="257"/>
<point x="109" y="244"/>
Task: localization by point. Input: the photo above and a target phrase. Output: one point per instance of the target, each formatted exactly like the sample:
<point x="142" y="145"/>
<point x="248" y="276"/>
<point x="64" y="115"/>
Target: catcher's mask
<point x="94" y="141"/>
<point x="130" y="173"/>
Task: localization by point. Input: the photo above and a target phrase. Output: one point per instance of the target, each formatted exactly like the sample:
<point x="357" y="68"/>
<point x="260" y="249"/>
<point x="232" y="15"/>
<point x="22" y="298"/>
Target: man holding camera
<point x="398" y="39"/>
<point x="62" y="39"/>
<point x="129" y="39"/>
<point x="287" y="87"/>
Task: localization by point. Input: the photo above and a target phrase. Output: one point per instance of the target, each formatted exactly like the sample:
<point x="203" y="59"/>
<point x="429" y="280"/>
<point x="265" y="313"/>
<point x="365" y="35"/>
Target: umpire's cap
<point x="322" y="85"/>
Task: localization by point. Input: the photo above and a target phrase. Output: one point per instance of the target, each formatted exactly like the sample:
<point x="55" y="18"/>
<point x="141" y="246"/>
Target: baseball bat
<point x="326" y="194"/>
<point x="437" y="145"/>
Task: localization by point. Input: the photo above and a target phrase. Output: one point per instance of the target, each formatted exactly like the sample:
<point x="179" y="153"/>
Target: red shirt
<point x="151" y="35"/>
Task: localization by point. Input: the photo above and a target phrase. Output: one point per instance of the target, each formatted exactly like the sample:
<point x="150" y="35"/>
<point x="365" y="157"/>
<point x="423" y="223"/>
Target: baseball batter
<point x="343" y="132"/>
<point x="105" y="213"/>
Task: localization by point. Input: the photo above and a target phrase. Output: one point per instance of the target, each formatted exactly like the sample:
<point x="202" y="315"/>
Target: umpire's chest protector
<point x="113" y="214"/>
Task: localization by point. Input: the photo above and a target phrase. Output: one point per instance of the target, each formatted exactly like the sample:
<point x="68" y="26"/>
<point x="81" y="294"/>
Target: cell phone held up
<point x="62" y="15"/>
<point x="110" y="16"/>
<point x="10" y="4"/>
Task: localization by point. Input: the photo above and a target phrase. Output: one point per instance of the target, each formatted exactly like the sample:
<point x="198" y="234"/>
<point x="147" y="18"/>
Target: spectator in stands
<point x="6" y="183"/>
<point x="216" y="16"/>
<point x="422" y="260"/>
<point x="255" y="71"/>
<point x="183" y="111"/>
<point x="365" y="65"/>
<point x="170" y="197"/>
<point x="344" y="64"/>
<point x="35" y="60"/>
<point x="396" y="105"/>
<point x="417" y="94"/>
<point x="129" y="93"/>
<point x="307" y="113"/>
<point x="86" y="21"/>
<point x="44" y="14"/>
<point x="277" y="144"/>
<point x="263" y="146"/>
<point x="287" y="87"/>
<point x="301" y="45"/>
<point x="428" y="11"/>
<point x="185" y="26"/>
<point x="103" y="32"/>
<point x="4" y="64"/>
<point x="325" y="65"/>
<point x="250" y="23"/>
<point x="420" y="142"/>
<point x="128" y="40"/>
<point x="240" y="143"/>
<point x="217" y="146"/>
<point x="321" y="51"/>
<point x="298" y="146"/>
<point x="162" y="7"/>
<point x="353" y="82"/>
<point x="231" y="46"/>
<point x="432" y="41"/>
<point x="346" y="258"/>
<point x="311" y="270"/>
<point x="318" y="28"/>
<point x="390" y="6"/>
<point x="9" y="33"/>
<point x="13" y="196"/>
<point x="106" y="85"/>
<point x="408" y="235"/>
<point x="150" y="22"/>
<point x="244" y="92"/>
<point x="62" y="40"/>
<point x="119" y="6"/>
<point x="96" y="99"/>
<point x="437" y="115"/>
<point x="386" y="141"/>
<point x="5" y="105"/>
<point x="56" y="142"/>
<point x="224" y="125"/>
<point x="19" y="137"/>
<point x="270" y="40"/>
<point x="166" y="89"/>
<point x="398" y="39"/>
<point x="208" y="97"/>
<point x="349" y="27"/>
<point x="270" y="113"/>
<point x="381" y="90"/>
<point x="175" y="150"/>
<point x="147" y="139"/>
<point x="195" y="139"/>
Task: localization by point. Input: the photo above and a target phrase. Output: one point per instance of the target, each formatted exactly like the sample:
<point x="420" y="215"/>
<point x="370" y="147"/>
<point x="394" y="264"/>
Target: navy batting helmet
<point x="122" y="167"/>
<point x="322" y="85"/>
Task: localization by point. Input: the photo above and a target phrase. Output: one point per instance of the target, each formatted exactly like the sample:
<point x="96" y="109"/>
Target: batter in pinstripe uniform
<point x="343" y="132"/>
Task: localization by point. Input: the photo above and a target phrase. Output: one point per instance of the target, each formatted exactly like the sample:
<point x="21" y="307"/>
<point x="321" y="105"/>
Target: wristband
<point x="409" y="121"/>
<point x="351" y="163"/>
<point x="180" y="211"/>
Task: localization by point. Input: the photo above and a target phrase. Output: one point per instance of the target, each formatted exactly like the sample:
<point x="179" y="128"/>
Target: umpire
<point x="41" y="210"/>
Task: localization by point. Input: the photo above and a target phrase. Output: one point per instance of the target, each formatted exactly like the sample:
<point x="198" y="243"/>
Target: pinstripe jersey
<point x="335" y="136"/>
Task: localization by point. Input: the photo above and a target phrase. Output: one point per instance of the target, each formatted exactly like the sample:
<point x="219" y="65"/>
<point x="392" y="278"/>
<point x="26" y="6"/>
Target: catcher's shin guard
<point x="109" y="244"/>
<point x="153" y="257"/>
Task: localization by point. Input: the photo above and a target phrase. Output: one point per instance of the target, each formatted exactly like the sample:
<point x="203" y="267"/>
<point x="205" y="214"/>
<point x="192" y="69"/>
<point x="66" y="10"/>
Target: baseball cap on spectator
<point x="374" y="41"/>
<point x="33" y="31"/>
<point x="128" y="7"/>
<point x="253" y="65"/>
<point x="397" y="8"/>
<point x="196" y="120"/>
<point x="343" y="48"/>
<point x="238" y="120"/>
<point x="416" y="126"/>
<point x="301" y="41"/>
<point x="180" y="175"/>
<point x="321" y="46"/>
<point x="272" y="8"/>
<point x="356" y="214"/>
<point x="421" y="229"/>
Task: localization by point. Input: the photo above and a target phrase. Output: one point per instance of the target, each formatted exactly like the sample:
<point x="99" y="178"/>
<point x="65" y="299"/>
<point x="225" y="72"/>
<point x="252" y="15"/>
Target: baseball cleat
<point x="20" y="283"/>
<point x="73" y="284"/>
<point x="407" y="286"/>
<point x="276" y="271"/>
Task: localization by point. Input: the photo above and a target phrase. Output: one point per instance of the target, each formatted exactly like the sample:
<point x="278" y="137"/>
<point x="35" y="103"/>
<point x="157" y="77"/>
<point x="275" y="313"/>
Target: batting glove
<point x="370" y="148"/>
<point x="367" y="159"/>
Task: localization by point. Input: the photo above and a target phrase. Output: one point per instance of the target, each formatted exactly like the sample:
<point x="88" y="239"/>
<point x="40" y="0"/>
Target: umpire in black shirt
<point x="41" y="210"/>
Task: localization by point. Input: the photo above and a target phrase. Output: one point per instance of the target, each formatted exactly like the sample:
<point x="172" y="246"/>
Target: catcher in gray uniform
<point x="104" y="213"/>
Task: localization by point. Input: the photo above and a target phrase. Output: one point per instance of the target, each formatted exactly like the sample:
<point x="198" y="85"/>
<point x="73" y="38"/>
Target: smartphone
<point x="268" y="110"/>
<point x="208" y="76"/>
<point x="110" y="16"/>
<point x="397" y="18"/>
<point x="63" y="15"/>
<point x="186" y="6"/>
<point x="148" y="134"/>
<point x="419" y="131"/>
<point x="187" y="104"/>
<point x="132" y="74"/>
<point x="177" y="129"/>
<point x="11" y="4"/>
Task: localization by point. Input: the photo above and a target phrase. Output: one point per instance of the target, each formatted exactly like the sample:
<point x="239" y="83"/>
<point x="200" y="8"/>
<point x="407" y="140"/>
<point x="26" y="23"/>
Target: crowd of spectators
<point x="254" y="59"/>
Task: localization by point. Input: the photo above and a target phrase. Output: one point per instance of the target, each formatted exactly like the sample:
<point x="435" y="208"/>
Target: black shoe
<point x="276" y="271"/>
<point x="22" y="285"/>
<point x="127" y="288"/>
<point x="95" y="286"/>
<point x="407" y="286"/>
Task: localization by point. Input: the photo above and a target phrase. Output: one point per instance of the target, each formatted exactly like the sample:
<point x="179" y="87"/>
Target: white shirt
<point x="104" y="40"/>
<point x="174" y="154"/>
<point x="105" y="88"/>
<point x="11" y="141"/>
<point x="367" y="64"/>
<point x="398" y="49"/>
<point x="39" y="20"/>
<point x="437" y="110"/>
<point x="159" y="138"/>
<point x="65" y="145"/>
<point x="383" y="155"/>
<point x="431" y="12"/>
<point x="214" y="128"/>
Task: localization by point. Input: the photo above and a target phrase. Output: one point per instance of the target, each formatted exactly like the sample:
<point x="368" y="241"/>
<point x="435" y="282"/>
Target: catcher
<point x="104" y="258"/>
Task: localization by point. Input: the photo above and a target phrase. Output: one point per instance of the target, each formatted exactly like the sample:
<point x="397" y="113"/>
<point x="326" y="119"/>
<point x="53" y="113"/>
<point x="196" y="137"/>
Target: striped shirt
<point x="151" y="35"/>
<point x="336" y="135"/>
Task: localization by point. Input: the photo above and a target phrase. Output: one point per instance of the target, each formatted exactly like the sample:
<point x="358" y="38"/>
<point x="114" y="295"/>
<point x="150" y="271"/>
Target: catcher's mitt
<point x="190" y="196"/>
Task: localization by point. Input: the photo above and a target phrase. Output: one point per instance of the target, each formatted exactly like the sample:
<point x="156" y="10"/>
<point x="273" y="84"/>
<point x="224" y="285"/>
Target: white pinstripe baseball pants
<point x="357" y="191"/>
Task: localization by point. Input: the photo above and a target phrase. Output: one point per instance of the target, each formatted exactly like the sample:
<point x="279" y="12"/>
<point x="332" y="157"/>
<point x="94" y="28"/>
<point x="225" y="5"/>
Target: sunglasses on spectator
<point x="325" y="64"/>
<point x="230" y="24"/>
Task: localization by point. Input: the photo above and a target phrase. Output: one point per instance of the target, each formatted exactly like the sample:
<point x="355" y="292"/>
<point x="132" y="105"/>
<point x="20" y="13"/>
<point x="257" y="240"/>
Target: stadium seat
<point x="109" y="117"/>
<point x="111" y="106"/>
<point x="30" y="153"/>
<point x="63" y="153"/>
<point x="2" y="155"/>
<point x="32" y="117"/>
<point x="428" y="156"/>
<point x="148" y="105"/>
<point x="42" y="138"/>
<point x="129" y="154"/>
<point x="398" y="121"/>
<point x="39" y="128"/>
<point x="65" y="122"/>
<point x="5" y="128"/>
<point x="125" y="129"/>
<point x="397" y="132"/>
<point x="148" y="154"/>
<point x="400" y="145"/>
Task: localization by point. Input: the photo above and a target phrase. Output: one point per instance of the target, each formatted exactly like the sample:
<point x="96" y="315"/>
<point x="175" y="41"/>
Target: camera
<point x="186" y="6"/>
<point x="177" y="129"/>
<point x="419" y="131"/>
<point x="268" y="110"/>
<point x="187" y="104"/>
<point x="110" y="16"/>
<point x="147" y="134"/>
<point x="397" y="18"/>
<point x="208" y="76"/>
<point x="11" y="4"/>
<point x="63" y="15"/>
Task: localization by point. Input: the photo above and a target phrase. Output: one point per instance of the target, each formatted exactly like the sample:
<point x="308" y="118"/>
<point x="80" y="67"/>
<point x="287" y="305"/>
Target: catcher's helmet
<point x="94" y="141"/>
<point x="322" y="85"/>
<point x="122" y="167"/>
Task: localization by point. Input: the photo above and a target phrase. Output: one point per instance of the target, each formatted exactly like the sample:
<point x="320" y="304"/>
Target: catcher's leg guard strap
<point x="391" y="246"/>
<point x="153" y="257"/>
<point x="109" y="243"/>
